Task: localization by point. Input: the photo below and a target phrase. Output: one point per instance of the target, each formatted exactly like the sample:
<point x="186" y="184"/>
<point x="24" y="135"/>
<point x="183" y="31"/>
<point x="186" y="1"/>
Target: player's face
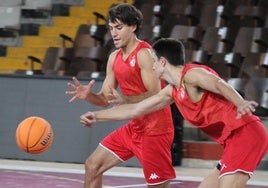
<point x="157" y="65"/>
<point x="121" y="33"/>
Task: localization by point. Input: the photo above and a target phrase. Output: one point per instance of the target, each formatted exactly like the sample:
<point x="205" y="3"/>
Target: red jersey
<point x="213" y="114"/>
<point x="128" y="75"/>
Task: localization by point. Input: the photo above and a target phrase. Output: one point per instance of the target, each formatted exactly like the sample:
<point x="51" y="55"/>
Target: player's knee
<point x="91" y="167"/>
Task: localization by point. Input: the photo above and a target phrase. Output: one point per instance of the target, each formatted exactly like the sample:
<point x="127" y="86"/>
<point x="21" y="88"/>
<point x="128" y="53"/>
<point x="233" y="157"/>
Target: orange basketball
<point x="34" y="135"/>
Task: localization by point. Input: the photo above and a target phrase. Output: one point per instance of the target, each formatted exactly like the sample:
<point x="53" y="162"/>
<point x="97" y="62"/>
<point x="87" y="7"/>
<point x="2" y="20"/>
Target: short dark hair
<point x="171" y="49"/>
<point x="126" y="13"/>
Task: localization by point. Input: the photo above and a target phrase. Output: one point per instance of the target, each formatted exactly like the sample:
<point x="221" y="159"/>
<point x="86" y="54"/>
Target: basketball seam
<point x="38" y="139"/>
<point x="29" y="133"/>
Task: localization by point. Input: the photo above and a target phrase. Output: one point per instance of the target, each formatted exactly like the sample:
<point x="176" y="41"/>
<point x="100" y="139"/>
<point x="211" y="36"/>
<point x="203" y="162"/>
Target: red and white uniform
<point x="245" y="140"/>
<point x="148" y="137"/>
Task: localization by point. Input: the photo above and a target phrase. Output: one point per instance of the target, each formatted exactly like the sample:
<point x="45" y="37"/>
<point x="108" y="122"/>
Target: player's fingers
<point x="91" y="83"/>
<point x="72" y="99"/>
<point x="86" y="122"/>
<point x="70" y="92"/>
<point x="238" y="115"/>
<point x="254" y="103"/>
<point x="72" y="86"/>
<point x="76" y="82"/>
<point x="252" y="108"/>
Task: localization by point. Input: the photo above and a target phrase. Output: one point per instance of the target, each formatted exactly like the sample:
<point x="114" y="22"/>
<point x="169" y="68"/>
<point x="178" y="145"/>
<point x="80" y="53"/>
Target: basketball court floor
<point x="34" y="174"/>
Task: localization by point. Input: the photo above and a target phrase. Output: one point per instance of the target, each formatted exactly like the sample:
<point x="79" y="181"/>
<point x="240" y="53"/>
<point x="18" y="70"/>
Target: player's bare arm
<point x="84" y="92"/>
<point x="201" y="78"/>
<point x="150" y="80"/>
<point x="129" y="111"/>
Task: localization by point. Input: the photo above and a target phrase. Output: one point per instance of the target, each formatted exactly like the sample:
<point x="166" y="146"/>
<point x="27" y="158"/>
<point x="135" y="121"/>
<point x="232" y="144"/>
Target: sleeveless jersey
<point x="128" y="75"/>
<point x="213" y="114"/>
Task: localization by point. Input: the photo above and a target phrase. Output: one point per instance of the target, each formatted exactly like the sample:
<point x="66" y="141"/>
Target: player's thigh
<point x="236" y="180"/>
<point x="102" y="159"/>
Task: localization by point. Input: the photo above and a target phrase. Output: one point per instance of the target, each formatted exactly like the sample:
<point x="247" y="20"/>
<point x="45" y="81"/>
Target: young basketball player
<point x="207" y="102"/>
<point x="149" y="137"/>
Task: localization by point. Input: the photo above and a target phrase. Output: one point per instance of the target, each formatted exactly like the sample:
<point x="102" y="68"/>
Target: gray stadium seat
<point x="191" y="36"/>
<point x="254" y="65"/>
<point x="257" y="89"/>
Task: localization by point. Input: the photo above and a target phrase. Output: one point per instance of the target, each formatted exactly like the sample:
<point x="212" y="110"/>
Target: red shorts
<point x="153" y="152"/>
<point x="244" y="149"/>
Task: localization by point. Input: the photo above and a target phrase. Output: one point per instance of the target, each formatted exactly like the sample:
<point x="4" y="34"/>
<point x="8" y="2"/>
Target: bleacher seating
<point x="209" y="29"/>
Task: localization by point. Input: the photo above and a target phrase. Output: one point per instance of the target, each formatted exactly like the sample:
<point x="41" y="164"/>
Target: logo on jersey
<point x="153" y="176"/>
<point x="132" y="61"/>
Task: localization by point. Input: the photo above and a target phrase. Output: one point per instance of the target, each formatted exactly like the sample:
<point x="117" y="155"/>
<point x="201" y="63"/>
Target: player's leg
<point x="156" y="160"/>
<point x="113" y="149"/>
<point x="211" y="181"/>
<point x="236" y="180"/>
<point x="241" y="155"/>
<point x="98" y="162"/>
<point x="162" y="185"/>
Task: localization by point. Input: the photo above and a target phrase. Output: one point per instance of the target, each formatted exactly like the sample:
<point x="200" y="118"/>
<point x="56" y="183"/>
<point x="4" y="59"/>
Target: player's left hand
<point x="247" y="107"/>
<point x="88" y="119"/>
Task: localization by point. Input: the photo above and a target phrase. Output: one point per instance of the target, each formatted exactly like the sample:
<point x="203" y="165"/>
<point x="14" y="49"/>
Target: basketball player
<point x="149" y="137"/>
<point x="210" y="104"/>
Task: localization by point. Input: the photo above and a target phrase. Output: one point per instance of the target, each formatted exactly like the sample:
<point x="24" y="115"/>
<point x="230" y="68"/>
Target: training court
<point x="34" y="174"/>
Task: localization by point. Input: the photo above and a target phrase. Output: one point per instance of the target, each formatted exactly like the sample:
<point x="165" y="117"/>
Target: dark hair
<point x="171" y="49"/>
<point x="126" y="13"/>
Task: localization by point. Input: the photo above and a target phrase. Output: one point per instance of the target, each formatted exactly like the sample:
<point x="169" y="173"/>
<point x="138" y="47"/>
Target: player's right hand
<point x="79" y="91"/>
<point x="247" y="107"/>
<point x="88" y="119"/>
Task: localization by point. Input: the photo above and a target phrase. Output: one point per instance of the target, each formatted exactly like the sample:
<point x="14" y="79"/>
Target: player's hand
<point x="88" y="119"/>
<point x="114" y="97"/>
<point x="247" y="107"/>
<point x="79" y="91"/>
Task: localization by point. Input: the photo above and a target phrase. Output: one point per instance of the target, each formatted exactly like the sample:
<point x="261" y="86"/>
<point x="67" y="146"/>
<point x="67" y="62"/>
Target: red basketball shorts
<point x="153" y="152"/>
<point x="244" y="149"/>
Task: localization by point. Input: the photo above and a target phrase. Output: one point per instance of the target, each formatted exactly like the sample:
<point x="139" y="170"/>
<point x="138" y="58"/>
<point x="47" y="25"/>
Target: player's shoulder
<point x="144" y="53"/>
<point x="113" y="55"/>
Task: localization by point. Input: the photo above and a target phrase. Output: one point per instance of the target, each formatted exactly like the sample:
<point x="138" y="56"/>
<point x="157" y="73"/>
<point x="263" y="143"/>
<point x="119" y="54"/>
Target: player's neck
<point x="131" y="45"/>
<point x="173" y="75"/>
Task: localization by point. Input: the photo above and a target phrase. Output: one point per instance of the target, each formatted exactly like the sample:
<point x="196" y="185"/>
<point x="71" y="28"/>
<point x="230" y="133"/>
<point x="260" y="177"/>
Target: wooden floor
<point x="33" y="174"/>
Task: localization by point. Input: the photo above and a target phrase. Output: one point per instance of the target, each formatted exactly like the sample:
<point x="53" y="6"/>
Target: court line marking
<point x="138" y="185"/>
<point x="108" y="173"/>
<point x="46" y="176"/>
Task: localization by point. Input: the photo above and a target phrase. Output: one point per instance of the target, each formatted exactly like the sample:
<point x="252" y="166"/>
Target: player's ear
<point x="163" y="61"/>
<point x="134" y="28"/>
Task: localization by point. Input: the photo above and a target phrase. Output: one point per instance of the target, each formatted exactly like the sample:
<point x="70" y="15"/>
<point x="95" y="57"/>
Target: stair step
<point x="87" y="13"/>
<point x="12" y="64"/>
<point x="48" y="31"/>
<point x="44" y="42"/>
<point x="63" y="21"/>
<point x="17" y="52"/>
<point x="104" y="3"/>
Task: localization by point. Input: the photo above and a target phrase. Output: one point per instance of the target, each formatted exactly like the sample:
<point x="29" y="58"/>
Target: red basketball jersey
<point x="128" y="75"/>
<point x="213" y="114"/>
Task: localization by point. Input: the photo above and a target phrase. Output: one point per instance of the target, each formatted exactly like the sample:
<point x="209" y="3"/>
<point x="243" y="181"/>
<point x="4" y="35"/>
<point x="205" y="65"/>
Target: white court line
<point x="138" y="185"/>
<point x="108" y="173"/>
